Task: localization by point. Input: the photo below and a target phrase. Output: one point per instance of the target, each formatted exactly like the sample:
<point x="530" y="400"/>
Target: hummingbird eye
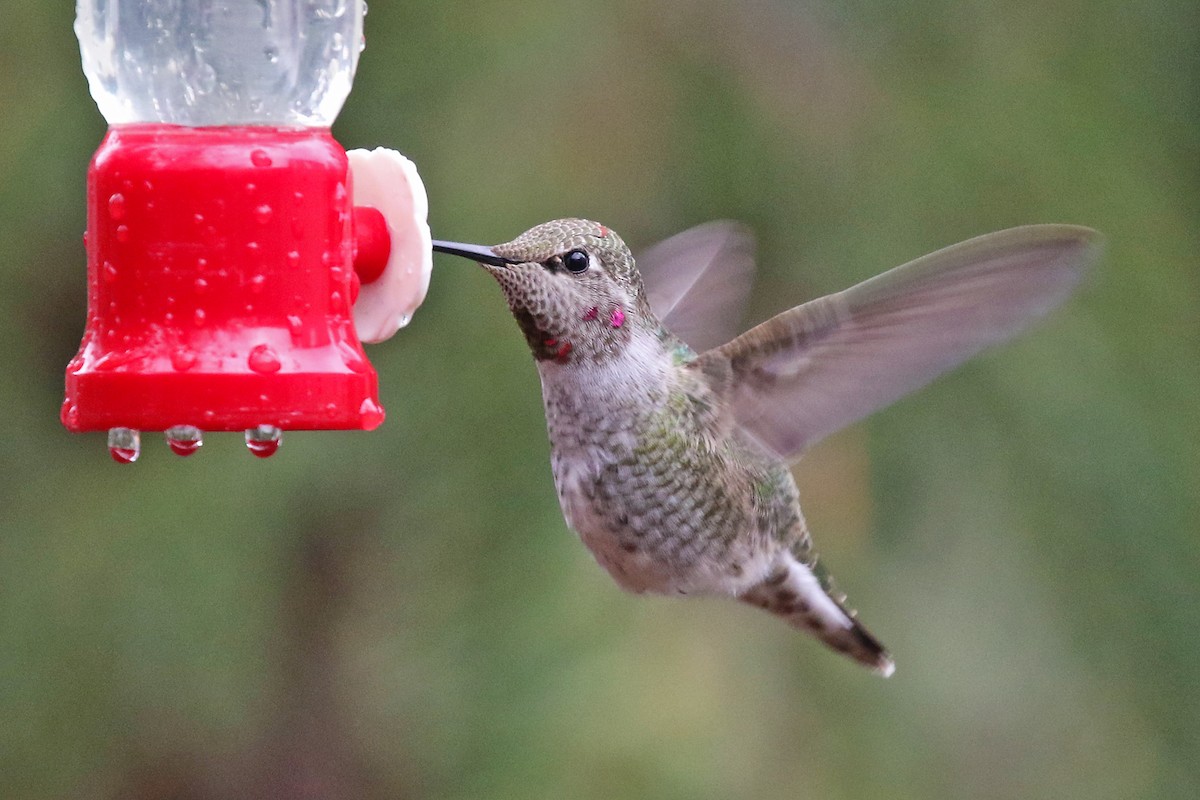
<point x="576" y="261"/>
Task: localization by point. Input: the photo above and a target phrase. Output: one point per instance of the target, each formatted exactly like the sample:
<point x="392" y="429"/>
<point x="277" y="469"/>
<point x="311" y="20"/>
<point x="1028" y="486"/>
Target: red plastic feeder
<point x="220" y="281"/>
<point x="221" y="238"/>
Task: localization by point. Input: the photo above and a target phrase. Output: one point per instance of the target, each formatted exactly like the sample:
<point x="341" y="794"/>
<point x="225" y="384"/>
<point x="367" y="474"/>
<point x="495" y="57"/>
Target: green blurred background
<point x="404" y="614"/>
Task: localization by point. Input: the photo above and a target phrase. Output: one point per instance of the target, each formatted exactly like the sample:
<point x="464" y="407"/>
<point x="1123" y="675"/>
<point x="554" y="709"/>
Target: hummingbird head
<point x="572" y="286"/>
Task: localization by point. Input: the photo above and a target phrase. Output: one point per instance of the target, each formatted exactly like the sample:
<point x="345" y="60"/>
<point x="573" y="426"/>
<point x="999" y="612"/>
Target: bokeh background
<point x="403" y="614"/>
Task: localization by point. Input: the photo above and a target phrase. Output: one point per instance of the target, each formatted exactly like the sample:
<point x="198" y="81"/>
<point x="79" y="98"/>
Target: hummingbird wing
<point x="810" y="371"/>
<point x="697" y="281"/>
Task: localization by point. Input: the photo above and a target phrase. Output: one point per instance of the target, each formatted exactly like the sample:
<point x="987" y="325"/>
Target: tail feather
<point x="794" y="591"/>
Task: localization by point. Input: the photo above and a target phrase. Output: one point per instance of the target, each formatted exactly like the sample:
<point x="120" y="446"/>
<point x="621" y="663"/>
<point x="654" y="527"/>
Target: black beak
<point x="475" y="252"/>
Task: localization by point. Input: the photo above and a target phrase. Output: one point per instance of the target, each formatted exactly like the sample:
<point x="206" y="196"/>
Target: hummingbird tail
<point x="795" y="592"/>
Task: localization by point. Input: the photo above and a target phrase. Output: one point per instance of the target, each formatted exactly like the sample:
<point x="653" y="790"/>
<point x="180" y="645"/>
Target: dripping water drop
<point x="263" y="440"/>
<point x="184" y="439"/>
<point x="124" y="445"/>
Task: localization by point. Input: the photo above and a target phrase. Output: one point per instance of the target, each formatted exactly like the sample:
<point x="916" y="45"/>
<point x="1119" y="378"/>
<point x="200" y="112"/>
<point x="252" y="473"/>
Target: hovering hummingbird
<point x="670" y="449"/>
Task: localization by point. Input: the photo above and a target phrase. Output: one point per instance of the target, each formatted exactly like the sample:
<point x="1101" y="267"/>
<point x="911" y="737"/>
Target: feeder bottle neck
<point x="223" y="62"/>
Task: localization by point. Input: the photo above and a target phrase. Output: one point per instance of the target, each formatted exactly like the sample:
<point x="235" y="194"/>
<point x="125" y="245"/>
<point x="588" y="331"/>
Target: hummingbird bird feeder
<point x="237" y="256"/>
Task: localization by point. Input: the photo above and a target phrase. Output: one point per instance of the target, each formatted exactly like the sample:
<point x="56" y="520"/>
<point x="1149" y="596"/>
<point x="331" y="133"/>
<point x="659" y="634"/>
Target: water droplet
<point x="252" y="247"/>
<point x="110" y="272"/>
<point x="250" y="187"/>
<point x="201" y="262"/>
<point x="295" y="325"/>
<point x="201" y="284"/>
<point x="259" y="158"/>
<point x="272" y="54"/>
<point x="352" y="358"/>
<point x="263" y="360"/>
<point x="183" y="359"/>
<point x="116" y="205"/>
<point x="184" y="439"/>
<point x="124" y="445"/>
<point x="263" y="440"/>
<point x="371" y="414"/>
<point x="198" y="219"/>
<point x="206" y="78"/>
<point x="257" y="282"/>
<point x="331" y="410"/>
<point x="403" y="320"/>
<point x="70" y="411"/>
<point x="199" y="317"/>
<point x="263" y="213"/>
<point x="293" y="258"/>
<point x="122" y="233"/>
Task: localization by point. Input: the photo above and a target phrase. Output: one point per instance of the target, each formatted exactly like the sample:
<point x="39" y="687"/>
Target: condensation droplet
<point x="371" y="414"/>
<point x="182" y="359"/>
<point x="259" y="158"/>
<point x="70" y="413"/>
<point x="200" y="284"/>
<point x="257" y="282"/>
<point x="122" y="233"/>
<point x="184" y="439"/>
<point x="293" y="258"/>
<point x="124" y="445"/>
<point x="263" y="360"/>
<point x="263" y="213"/>
<point x="263" y="440"/>
<point x="116" y="205"/>
<point x="352" y="358"/>
<point x="110" y="272"/>
<point x="295" y="325"/>
<point x="206" y="78"/>
<point x="199" y="317"/>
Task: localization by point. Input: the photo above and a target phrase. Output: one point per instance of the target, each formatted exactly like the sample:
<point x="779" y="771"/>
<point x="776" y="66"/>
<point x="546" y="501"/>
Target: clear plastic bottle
<point x="220" y="62"/>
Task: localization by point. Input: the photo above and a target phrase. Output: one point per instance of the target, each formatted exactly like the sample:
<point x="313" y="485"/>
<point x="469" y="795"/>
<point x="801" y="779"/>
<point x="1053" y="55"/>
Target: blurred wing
<point x="810" y="371"/>
<point x="697" y="281"/>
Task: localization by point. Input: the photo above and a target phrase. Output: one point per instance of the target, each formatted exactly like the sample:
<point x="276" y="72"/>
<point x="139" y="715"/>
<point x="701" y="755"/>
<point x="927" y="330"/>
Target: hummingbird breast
<point x="665" y="501"/>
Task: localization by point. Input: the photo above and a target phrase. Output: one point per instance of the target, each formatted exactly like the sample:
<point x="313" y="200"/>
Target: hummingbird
<point x="671" y="439"/>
